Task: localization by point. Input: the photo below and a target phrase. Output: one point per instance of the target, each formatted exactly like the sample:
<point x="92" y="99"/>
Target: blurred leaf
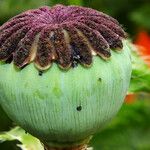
<point x="140" y="80"/>
<point x="75" y="2"/>
<point x="27" y="142"/>
<point x="10" y="8"/>
<point x="10" y="145"/>
<point x="141" y="16"/>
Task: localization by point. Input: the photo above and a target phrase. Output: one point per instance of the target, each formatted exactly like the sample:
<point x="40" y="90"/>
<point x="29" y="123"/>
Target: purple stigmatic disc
<point x="67" y="35"/>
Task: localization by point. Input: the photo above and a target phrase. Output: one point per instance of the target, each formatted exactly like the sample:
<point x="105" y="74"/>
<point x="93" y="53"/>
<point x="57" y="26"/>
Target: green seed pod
<point x="63" y="108"/>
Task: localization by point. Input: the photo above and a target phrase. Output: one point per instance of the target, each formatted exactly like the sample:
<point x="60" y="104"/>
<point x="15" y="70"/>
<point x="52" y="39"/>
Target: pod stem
<point x="81" y="147"/>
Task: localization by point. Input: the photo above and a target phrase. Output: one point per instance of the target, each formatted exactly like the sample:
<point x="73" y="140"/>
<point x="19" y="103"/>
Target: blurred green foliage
<point x="140" y="16"/>
<point x="9" y="8"/>
<point x="130" y="130"/>
<point x="18" y="139"/>
<point x="140" y="79"/>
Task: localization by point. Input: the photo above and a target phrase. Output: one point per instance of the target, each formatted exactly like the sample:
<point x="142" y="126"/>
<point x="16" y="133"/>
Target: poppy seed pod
<point x="64" y="104"/>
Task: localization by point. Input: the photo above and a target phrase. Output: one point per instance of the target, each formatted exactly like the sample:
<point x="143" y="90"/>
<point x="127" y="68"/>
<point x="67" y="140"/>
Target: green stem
<point x="81" y="147"/>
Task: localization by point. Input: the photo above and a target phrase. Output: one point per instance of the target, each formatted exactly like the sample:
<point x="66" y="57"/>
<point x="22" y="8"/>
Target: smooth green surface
<point x="46" y="106"/>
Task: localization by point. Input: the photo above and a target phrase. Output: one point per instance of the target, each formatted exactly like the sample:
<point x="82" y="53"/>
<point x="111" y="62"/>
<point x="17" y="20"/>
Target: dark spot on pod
<point x="79" y="108"/>
<point x="40" y="73"/>
<point x="9" y="60"/>
<point x="74" y="64"/>
<point x="100" y="79"/>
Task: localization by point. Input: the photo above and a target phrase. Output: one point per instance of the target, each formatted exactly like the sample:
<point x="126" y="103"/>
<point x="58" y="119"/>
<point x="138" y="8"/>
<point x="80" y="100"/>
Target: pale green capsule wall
<point x="46" y="106"/>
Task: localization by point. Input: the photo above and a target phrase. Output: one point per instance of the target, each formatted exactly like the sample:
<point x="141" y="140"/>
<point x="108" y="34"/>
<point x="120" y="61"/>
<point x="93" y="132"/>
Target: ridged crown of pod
<point x="63" y="106"/>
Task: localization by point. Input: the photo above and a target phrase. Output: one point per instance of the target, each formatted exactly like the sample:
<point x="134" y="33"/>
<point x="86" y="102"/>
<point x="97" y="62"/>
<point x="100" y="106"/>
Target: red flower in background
<point x="130" y="98"/>
<point x="143" y="43"/>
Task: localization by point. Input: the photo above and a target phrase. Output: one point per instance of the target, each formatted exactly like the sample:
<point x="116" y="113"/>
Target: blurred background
<point x="130" y="129"/>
